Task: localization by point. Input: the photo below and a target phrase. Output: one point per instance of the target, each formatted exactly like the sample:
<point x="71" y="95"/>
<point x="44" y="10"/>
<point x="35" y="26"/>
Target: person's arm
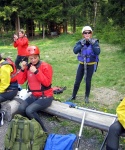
<point x="44" y="74"/>
<point x="15" y="39"/>
<point x="5" y="77"/>
<point x="95" y="46"/>
<point x="22" y="41"/>
<point x="22" y="75"/>
<point x="77" y="48"/>
<point x="15" y="44"/>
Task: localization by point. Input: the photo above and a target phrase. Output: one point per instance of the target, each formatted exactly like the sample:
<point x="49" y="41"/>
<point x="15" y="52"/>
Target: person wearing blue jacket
<point x="87" y="50"/>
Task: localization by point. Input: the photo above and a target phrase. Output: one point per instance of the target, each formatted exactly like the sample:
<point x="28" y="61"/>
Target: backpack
<point x="24" y="134"/>
<point x="60" y="142"/>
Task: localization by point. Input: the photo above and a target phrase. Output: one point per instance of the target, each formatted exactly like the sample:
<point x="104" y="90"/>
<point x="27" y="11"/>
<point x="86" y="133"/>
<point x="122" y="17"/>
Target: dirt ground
<point x="102" y="95"/>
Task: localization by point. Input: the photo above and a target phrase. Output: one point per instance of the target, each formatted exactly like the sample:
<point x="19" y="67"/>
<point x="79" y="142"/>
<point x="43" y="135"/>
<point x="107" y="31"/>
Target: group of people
<point x="39" y="76"/>
<point x="27" y="67"/>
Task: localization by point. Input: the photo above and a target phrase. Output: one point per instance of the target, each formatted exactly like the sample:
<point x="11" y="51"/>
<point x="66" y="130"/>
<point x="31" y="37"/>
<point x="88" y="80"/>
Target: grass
<point x="58" y="52"/>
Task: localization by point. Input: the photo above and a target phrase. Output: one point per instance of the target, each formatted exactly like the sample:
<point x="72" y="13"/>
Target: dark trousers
<point x="19" y="59"/>
<point x="32" y="105"/>
<point x="7" y="96"/>
<point x="79" y="77"/>
<point x="115" y="130"/>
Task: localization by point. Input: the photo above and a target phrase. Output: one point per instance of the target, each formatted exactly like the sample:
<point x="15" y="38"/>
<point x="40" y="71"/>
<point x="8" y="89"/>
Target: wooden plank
<point x="97" y="120"/>
<point x="93" y="118"/>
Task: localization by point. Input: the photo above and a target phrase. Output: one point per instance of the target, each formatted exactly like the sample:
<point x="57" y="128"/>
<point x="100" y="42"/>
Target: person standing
<point x="8" y="82"/>
<point x="39" y="76"/>
<point x="88" y="50"/>
<point x="21" y="43"/>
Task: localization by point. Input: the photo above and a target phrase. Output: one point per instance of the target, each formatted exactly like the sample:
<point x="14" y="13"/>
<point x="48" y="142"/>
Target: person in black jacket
<point x="88" y="50"/>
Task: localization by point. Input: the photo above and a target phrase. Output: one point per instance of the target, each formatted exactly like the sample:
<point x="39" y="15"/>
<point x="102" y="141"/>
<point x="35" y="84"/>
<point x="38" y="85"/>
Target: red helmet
<point x="32" y="50"/>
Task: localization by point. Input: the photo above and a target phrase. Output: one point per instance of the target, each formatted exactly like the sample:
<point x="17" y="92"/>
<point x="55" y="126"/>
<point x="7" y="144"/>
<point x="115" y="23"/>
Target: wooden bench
<point x="93" y="118"/>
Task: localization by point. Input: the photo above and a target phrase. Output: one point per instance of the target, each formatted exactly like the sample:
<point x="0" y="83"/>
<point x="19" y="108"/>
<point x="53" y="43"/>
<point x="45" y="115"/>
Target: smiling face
<point x="87" y="34"/>
<point x="21" y="34"/>
<point x="34" y="59"/>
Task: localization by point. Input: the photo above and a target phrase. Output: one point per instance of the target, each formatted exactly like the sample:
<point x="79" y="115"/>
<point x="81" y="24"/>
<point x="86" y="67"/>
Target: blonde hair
<point x="22" y="31"/>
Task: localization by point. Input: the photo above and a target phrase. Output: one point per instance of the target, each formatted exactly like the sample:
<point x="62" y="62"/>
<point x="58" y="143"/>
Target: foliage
<point x="77" y="12"/>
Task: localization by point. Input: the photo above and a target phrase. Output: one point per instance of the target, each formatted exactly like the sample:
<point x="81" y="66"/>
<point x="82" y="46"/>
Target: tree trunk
<point x="43" y="29"/>
<point x="30" y="29"/>
<point x="17" y="24"/>
<point x="74" y="24"/>
<point x="95" y="14"/>
<point x="64" y="12"/>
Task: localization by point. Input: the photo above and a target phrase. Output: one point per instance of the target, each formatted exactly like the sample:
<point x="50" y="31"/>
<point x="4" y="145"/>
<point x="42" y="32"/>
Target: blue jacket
<point x="90" y="50"/>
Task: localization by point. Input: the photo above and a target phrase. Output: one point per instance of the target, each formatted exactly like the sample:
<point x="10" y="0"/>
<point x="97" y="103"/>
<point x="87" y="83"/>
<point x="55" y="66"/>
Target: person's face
<point x="21" y="34"/>
<point x="87" y="34"/>
<point x="34" y="59"/>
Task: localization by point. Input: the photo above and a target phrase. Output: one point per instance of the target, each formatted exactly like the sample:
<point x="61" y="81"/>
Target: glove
<point x="92" y="41"/>
<point x="83" y="42"/>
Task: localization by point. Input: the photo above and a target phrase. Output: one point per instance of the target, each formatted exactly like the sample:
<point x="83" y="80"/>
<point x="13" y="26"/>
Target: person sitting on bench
<point x="8" y="82"/>
<point x="39" y="77"/>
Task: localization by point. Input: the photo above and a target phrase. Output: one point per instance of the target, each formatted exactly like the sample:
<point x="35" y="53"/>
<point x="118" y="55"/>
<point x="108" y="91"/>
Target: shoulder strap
<point x="11" y="134"/>
<point x="31" y="133"/>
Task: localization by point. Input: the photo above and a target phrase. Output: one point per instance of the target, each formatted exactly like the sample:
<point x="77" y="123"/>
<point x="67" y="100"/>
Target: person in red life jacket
<point x="21" y="43"/>
<point x="8" y="82"/>
<point x="39" y="76"/>
<point x="88" y="50"/>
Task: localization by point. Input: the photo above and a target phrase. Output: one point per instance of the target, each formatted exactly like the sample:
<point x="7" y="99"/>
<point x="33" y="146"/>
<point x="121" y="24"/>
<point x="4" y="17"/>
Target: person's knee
<point x="115" y="129"/>
<point x="29" y="112"/>
<point x="21" y="109"/>
<point x="109" y="148"/>
<point x="77" y="84"/>
<point x="2" y="99"/>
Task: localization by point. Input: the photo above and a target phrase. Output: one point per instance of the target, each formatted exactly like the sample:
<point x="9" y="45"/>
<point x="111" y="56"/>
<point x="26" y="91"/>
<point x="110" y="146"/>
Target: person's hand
<point x="23" y="65"/>
<point x="32" y="68"/>
<point x="15" y="37"/>
<point x="83" y="41"/>
<point x="92" y="41"/>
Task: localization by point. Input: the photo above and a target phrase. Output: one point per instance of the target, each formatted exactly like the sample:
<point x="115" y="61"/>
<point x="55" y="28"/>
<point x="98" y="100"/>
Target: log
<point x="93" y="118"/>
<point x="11" y="107"/>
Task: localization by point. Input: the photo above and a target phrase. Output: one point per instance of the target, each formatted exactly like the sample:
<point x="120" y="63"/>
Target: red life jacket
<point x="13" y="75"/>
<point x="33" y="84"/>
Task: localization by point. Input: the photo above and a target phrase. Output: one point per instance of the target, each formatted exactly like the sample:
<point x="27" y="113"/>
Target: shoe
<point x="2" y="114"/>
<point x="86" y="99"/>
<point x="71" y="98"/>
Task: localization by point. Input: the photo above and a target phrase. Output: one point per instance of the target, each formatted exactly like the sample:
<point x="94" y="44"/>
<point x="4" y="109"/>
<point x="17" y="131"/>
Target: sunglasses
<point x="87" y="32"/>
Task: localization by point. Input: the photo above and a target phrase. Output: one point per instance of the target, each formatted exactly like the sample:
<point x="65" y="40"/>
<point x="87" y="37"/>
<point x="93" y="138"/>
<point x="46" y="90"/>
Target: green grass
<point x="59" y="53"/>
